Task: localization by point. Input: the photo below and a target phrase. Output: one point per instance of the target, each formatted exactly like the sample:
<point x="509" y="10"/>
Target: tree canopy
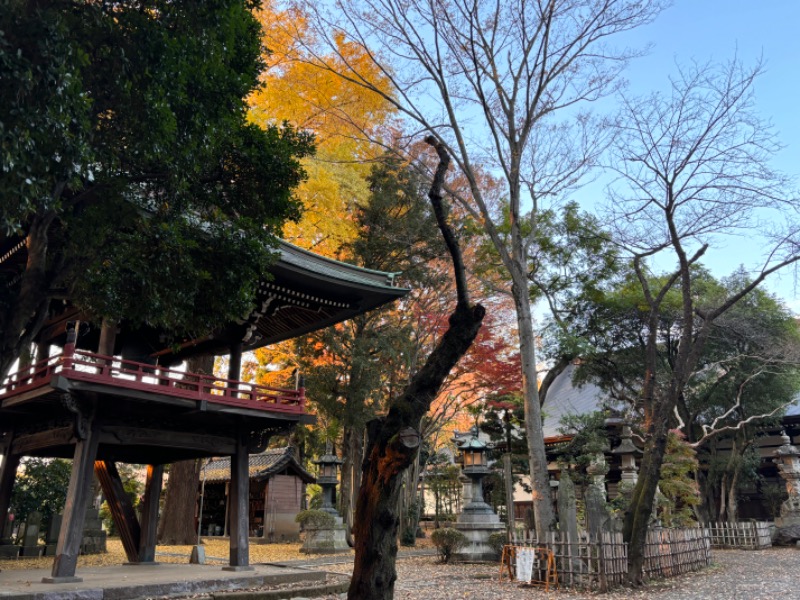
<point x="128" y="159"/>
<point x="492" y="81"/>
<point x="748" y="367"/>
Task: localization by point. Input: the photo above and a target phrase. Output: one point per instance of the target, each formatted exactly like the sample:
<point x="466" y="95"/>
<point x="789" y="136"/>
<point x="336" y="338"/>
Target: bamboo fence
<point x="671" y="552"/>
<point x="747" y="535"/>
<point x="601" y="562"/>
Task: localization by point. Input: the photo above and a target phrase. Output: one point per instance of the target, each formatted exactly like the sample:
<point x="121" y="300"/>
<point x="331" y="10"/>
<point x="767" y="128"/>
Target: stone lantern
<point x="327" y="537"/>
<point x="627" y="453"/>
<point x="327" y="478"/>
<point x="477" y="520"/>
<point x="476" y="467"/>
<point x="787" y="457"/>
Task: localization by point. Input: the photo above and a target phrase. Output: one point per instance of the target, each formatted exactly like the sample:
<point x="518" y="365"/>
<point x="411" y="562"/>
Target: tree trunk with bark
<point x="177" y="525"/>
<point x="353" y="455"/>
<point x="410" y="509"/>
<point x="543" y="513"/>
<point x="389" y="452"/>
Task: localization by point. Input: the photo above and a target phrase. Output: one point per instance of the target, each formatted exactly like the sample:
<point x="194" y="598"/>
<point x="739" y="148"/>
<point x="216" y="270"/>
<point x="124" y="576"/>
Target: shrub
<point x="448" y="541"/>
<point x="408" y="537"/>
<point x="496" y="542"/>
<point x="315" y="519"/>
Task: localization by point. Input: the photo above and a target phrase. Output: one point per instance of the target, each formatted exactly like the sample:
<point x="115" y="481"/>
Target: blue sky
<point x="717" y="30"/>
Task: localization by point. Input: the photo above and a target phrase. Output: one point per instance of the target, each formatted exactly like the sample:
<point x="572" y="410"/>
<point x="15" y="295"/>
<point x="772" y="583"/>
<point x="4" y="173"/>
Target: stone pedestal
<point x="326" y="540"/>
<point x="477" y="522"/>
<point x="478" y="527"/>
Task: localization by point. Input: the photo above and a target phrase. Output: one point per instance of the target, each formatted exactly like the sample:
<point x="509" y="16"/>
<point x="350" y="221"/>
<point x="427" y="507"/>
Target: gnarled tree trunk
<point x="389" y="452"/>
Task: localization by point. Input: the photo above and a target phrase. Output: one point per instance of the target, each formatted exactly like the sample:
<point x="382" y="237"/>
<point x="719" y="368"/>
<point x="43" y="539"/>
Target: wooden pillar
<point x="235" y="362"/>
<point x="265" y="514"/>
<point x="152" y="492"/>
<point x="108" y="338"/>
<point x="42" y="351"/>
<point x="239" y="500"/>
<point x="78" y="495"/>
<point x="121" y="507"/>
<point x="235" y="367"/>
<point x="8" y="472"/>
<point x="226" y="524"/>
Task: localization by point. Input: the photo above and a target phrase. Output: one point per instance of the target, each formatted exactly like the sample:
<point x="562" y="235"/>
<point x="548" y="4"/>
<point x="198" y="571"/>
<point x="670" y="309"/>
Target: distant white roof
<point x="565" y="398"/>
<point x="793" y="410"/>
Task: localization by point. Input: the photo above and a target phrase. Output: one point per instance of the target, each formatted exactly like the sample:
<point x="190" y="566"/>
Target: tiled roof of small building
<point x="262" y="466"/>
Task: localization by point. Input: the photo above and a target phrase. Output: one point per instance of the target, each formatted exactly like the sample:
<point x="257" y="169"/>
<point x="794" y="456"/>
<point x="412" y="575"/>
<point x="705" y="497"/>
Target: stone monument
<point x="51" y="539"/>
<point x="327" y="538"/>
<point x="94" y="538"/>
<point x="787" y="457"/>
<point x="30" y="538"/>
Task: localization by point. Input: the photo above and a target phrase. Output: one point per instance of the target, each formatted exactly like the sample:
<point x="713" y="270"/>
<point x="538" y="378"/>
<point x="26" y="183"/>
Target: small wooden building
<point x="277" y="488"/>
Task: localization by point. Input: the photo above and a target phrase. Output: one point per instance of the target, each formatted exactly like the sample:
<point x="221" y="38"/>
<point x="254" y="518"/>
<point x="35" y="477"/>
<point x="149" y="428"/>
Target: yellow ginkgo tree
<point x="342" y="116"/>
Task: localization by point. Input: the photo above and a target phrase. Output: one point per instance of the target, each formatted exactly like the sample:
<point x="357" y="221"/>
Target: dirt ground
<point x="734" y="574"/>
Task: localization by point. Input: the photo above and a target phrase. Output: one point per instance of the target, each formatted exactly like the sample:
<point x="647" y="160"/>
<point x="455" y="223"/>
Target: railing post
<point x="162" y="381"/>
<point x="301" y="390"/>
<point x="234" y="368"/>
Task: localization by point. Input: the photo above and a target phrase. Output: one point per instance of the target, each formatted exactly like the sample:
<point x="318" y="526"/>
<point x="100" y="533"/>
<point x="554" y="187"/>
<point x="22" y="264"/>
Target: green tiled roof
<point x="303" y="259"/>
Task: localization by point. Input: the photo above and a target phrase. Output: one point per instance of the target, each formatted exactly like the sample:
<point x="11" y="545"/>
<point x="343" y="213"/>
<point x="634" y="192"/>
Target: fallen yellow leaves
<point x="215" y="548"/>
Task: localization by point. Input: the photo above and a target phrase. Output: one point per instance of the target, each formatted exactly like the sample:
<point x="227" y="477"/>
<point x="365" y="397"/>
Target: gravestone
<point x="567" y="511"/>
<point x="7" y="548"/>
<point x="94" y="538"/>
<point x="30" y="538"/>
<point x="568" y="516"/>
<point x="51" y="539"/>
<point x="6" y="527"/>
<point x="598" y="519"/>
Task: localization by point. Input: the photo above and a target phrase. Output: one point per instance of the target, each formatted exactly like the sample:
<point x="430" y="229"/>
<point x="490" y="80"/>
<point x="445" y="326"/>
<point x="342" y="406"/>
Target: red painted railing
<point x="77" y="365"/>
